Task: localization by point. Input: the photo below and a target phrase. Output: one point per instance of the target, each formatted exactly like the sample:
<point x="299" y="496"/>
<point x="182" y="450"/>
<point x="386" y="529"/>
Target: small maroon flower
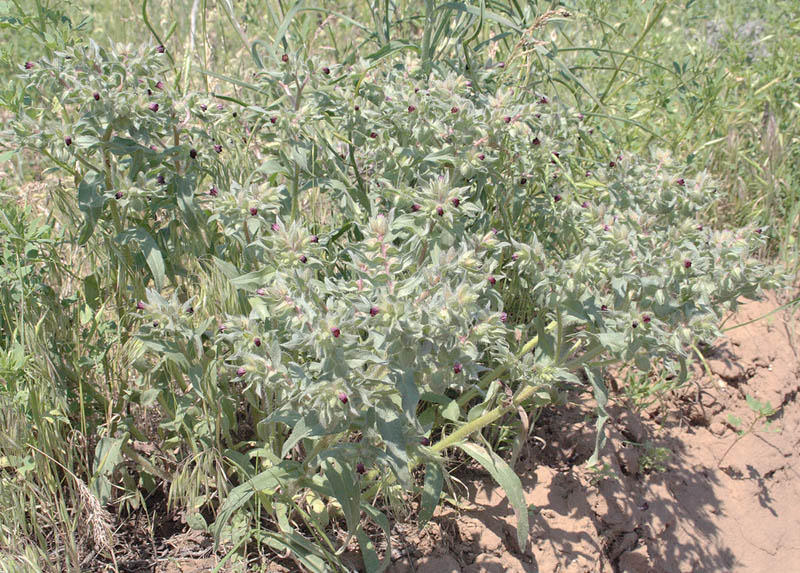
<point x="681" y="182"/>
<point x="118" y="195"/>
<point x="314" y="239"/>
<point x="160" y="49"/>
<point x="29" y="65"/>
<point x="588" y="174"/>
<point x="758" y="231"/>
<point x="439" y="211"/>
<point x="326" y="70"/>
<point x="335" y="331"/>
<point x="514" y="256"/>
<point x="68" y="140"/>
<point x="556" y="198"/>
<point x="190" y="310"/>
<point x="154" y="148"/>
<point x="356" y="107"/>
<point x="343" y="398"/>
<point x="193" y="153"/>
<point x="153" y="107"/>
<point x="285" y="58"/>
<point x="523" y="180"/>
<point x="241" y="371"/>
<point x="507" y="119"/>
<point x="140" y="305"/>
<point x="699" y="227"/>
<point x="481" y="156"/>
<point x="260" y="291"/>
<point x="96" y="96"/>
<point x="492" y="280"/>
<point x="603" y="308"/>
<point x="218" y="148"/>
<point x="373" y="135"/>
<point x="454" y="109"/>
<point x="503" y="316"/>
<point x="416" y="207"/>
<point x="160" y="180"/>
<point x="543" y="100"/>
<point x="501" y="65"/>
<point x="612" y="164"/>
<point x="213" y="192"/>
<point x="275" y="227"/>
<point x="253" y="211"/>
<point x="303" y="259"/>
<point x="457" y="368"/>
<point x="373" y="311"/>
<point x="535" y="141"/>
<point x="585" y="204"/>
<point x="360" y="468"/>
<point x="634" y="324"/>
<point x="687" y="264"/>
<point x="273" y="120"/>
<point x="424" y="441"/>
<point x="646" y="319"/>
<point x="203" y="107"/>
<point x="222" y="328"/>
<point x="455" y="201"/>
<point x="257" y="341"/>
<point x="416" y="90"/>
<point x="159" y="85"/>
<point x="155" y="324"/>
<point x="411" y="109"/>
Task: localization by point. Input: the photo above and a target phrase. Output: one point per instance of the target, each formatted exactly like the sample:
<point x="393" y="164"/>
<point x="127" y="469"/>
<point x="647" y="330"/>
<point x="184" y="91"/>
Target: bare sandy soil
<point x="691" y="514"/>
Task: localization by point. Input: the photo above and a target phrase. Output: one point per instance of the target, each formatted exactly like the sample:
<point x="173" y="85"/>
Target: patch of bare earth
<point x="708" y="507"/>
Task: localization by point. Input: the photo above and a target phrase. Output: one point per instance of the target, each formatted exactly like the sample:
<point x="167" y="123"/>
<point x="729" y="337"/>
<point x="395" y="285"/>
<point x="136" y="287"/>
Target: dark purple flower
<point x="416" y="90"/>
<point x="241" y="371"/>
<point x="514" y="256"/>
<point x="503" y="316"/>
<point x="153" y="107"/>
<point x="612" y="164"/>
<point x="507" y="119"/>
<point x="343" y="398"/>
<point x="140" y="305"/>
<point x="585" y="204"/>
<point x="155" y="324"/>
<point x="285" y="58"/>
<point x="222" y="328"/>
<point x="501" y="65"/>
<point x="68" y="140"/>
<point x="160" y="180"/>
<point x="275" y="227"/>
<point x="193" y="153"/>
<point x="118" y="195"/>
<point x="213" y="192"/>
<point x="424" y="441"/>
<point x="96" y="96"/>
<point x="190" y="310"/>
<point x="356" y="107"/>
<point x="454" y="109"/>
<point x="699" y="227"/>
<point x="416" y="207"/>
<point x="439" y="211"/>
<point x="457" y="368"/>
<point x="556" y="198"/>
<point x="411" y="109"/>
<point x="491" y="279"/>
<point x="203" y="107"/>
<point x="373" y="135"/>
<point x="455" y="201"/>
<point x="681" y="182"/>
<point x="588" y="174"/>
<point x="335" y="331"/>
<point x="218" y="148"/>
<point x="646" y="319"/>
<point x="160" y="49"/>
<point x="481" y="156"/>
<point x="29" y="65"/>
<point x="253" y="211"/>
<point x="373" y="311"/>
<point x="314" y="239"/>
<point x="556" y="154"/>
<point x="687" y="264"/>
<point x="257" y="341"/>
<point x="260" y="291"/>
<point x="535" y="141"/>
<point x="326" y="70"/>
<point x="273" y="119"/>
<point x="303" y="259"/>
<point x="543" y="100"/>
<point x="758" y="231"/>
<point x="603" y="307"/>
<point x="634" y="324"/>
<point x="523" y="180"/>
<point x="159" y="85"/>
<point x="360" y="468"/>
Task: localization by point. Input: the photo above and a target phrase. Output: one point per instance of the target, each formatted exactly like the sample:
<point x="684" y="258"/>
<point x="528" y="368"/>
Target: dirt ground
<point x="682" y="490"/>
<point x="685" y="512"/>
